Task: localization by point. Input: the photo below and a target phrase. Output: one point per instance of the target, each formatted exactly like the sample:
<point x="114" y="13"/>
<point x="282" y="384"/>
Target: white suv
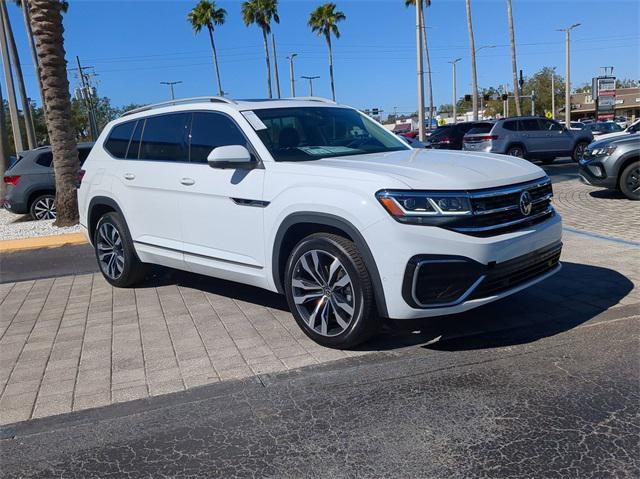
<point x="319" y="202"/>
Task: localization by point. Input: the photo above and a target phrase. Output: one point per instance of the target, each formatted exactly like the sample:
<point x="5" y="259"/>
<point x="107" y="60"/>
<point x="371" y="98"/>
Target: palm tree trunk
<point x="15" y="59"/>
<point x="426" y="52"/>
<point x="11" y="92"/>
<point x="32" y="49"/>
<point x="514" y="66"/>
<point x="333" y="87"/>
<point x="275" y="64"/>
<point x="266" y="56"/>
<point x="46" y="22"/>
<point x="215" y="62"/>
<point x="474" y="76"/>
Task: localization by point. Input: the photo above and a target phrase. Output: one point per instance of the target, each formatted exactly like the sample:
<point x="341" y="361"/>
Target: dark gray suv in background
<point x="614" y="164"/>
<point x="529" y="137"/>
<point x="31" y="184"/>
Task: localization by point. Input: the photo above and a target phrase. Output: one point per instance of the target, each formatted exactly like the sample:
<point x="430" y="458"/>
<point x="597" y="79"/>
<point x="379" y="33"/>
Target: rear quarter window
<point x="45" y="159"/>
<point x="118" y="140"/>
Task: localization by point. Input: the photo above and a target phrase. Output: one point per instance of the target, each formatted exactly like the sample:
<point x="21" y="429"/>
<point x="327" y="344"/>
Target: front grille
<point x="497" y="210"/>
<point x="512" y="273"/>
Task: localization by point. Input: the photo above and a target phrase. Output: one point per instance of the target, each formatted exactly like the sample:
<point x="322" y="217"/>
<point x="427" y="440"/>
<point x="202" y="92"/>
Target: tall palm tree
<point x="323" y="21"/>
<point x="15" y="60"/>
<point x="46" y="23"/>
<point x="472" y="48"/>
<point x="206" y="15"/>
<point x="261" y="12"/>
<point x="426" y="3"/>
<point x="514" y="66"/>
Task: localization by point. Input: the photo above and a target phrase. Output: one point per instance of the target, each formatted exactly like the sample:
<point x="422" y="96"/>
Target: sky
<point x="134" y="45"/>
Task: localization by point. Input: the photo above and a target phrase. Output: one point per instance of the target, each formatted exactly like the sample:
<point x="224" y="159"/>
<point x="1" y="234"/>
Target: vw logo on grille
<point x="526" y="203"/>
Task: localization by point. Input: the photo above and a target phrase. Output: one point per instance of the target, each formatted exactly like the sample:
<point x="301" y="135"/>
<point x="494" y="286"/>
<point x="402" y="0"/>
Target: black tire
<point x="517" y="151"/>
<point x="132" y="270"/>
<point x="578" y="151"/>
<point x="630" y="181"/>
<point x="363" y="321"/>
<point x="43" y="207"/>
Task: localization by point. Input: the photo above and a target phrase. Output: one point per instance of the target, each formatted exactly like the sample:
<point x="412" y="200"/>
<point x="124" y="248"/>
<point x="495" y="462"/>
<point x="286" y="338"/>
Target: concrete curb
<point x="54" y="241"/>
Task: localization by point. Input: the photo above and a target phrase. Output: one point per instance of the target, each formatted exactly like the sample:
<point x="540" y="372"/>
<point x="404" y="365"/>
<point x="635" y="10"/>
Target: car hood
<point x="615" y="135"/>
<point x="440" y="169"/>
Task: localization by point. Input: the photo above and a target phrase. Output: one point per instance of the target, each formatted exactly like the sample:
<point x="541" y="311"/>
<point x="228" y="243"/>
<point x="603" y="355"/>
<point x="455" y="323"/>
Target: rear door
<point x="148" y="185"/>
<point x="534" y="138"/>
<point x="222" y="209"/>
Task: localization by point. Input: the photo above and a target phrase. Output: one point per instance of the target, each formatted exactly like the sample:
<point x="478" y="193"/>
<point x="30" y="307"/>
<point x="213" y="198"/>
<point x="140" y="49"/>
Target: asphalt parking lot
<point x="542" y="384"/>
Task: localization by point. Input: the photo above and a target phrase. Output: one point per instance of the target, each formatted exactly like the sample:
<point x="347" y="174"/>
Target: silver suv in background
<point x="528" y="137"/>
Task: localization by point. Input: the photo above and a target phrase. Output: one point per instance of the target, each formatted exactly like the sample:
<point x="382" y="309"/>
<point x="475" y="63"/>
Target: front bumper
<point x="394" y="245"/>
<point x="594" y="172"/>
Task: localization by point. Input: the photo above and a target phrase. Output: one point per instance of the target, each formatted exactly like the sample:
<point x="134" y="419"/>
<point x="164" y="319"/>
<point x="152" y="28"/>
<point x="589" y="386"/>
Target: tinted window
<point x="82" y="154"/>
<point x="510" y="125"/>
<point x="529" y="125"/>
<point x="164" y="138"/>
<point x="118" y="140"/>
<point x="442" y="131"/>
<point x="134" y="144"/>
<point x="45" y="159"/>
<point x="479" y="129"/>
<point x="211" y="130"/>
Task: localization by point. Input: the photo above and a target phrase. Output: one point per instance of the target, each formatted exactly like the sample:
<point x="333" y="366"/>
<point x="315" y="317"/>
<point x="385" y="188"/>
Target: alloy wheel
<point x="516" y="152"/>
<point x="110" y="250"/>
<point x="323" y="293"/>
<point x="45" y="208"/>
<point x="580" y="151"/>
<point x="633" y="180"/>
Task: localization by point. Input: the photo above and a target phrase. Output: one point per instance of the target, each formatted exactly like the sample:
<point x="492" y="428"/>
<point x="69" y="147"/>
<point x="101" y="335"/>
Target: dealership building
<point x="627" y="103"/>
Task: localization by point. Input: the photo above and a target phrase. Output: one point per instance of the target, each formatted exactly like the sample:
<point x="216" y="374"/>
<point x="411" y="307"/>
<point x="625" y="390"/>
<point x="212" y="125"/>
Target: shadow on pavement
<point x="607" y="194"/>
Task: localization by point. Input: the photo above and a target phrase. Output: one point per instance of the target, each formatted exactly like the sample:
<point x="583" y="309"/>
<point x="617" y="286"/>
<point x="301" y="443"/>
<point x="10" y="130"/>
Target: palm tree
<point x="205" y="14"/>
<point x="46" y="23"/>
<point x="323" y="21"/>
<point x="15" y="60"/>
<point x="474" y="76"/>
<point x="514" y="66"/>
<point x="261" y="12"/>
<point x="426" y="3"/>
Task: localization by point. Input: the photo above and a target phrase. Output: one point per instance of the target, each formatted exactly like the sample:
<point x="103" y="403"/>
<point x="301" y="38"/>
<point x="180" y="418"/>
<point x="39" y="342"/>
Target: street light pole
<point x="454" y="96"/>
<point x="553" y="93"/>
<point x="567" y="80"/>
<point x="481" y="98"/>
<point x="420" y="70"/>
<point x="171" y="83"/>
<point x="310" y="82"/>
<point x="293" y="82"/>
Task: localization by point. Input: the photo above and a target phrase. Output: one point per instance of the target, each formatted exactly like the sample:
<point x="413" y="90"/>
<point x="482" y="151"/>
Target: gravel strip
<point x="14" y="226"/>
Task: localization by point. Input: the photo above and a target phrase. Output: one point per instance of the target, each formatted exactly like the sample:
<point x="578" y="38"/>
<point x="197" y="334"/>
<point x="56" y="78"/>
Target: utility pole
<point x="275" y="63"/>
<point x="310" y="82"/>
<point x="88" y="98"/>
<point x="567" y="79"/>
<point x="454" y="97"/>
<point x="420" y="70"/>
<point x="506" y="102"/>
<point x="533" y="103"/>
<point x="481" y="97"/>
<point x="11" y="92"/>
<point x="553" y="93"/>
<point x="170" y="84"/>
<point x="291" y="76"/>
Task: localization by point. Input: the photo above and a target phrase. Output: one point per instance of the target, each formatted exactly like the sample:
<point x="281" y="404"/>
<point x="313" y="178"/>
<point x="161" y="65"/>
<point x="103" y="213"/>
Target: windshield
<point x="313" y="133"/>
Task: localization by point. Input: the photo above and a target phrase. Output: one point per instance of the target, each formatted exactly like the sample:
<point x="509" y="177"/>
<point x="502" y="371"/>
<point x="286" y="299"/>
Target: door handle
<point x="129" y="176"/>
<point x="188" y="181"/>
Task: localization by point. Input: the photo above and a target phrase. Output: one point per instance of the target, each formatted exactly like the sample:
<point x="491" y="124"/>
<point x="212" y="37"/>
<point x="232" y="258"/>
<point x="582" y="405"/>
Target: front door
<point x="560" y="141"/>
<point x="222" y="209"/>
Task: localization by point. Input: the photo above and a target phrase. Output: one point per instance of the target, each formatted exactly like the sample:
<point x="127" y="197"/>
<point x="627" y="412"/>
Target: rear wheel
<point x="630" y="181"/>
<point x="578" y="151"/>
<point x="43" y="208"/>
<point x="516" y="150"/>
<point x="329" y="291"/>
<point x="116" y="256"/>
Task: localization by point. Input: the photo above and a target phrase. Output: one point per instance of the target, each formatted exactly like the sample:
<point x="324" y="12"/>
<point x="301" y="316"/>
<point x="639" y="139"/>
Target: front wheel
<point x="329" y="291"/>
<point x="630" y="181"/>
<point x="115" y="253"/>
<point x="578" y="151"/>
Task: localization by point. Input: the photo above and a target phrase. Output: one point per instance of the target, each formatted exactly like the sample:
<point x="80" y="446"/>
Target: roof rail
<point x="213" y="99"/>
<point x="312" y="98"/>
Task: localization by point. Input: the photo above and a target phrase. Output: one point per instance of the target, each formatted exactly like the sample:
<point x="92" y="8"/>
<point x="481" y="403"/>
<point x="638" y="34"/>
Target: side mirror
<point x="232" y="157"/>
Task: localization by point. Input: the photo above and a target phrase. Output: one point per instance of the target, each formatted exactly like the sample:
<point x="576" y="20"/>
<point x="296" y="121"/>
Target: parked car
<point x="529" y="137"/>
<point x="575" y="125"/>
<point x="449" y="137"/>
<point x="615" y="164"/>
<point x="602" y="127"/>
<point x="622" y="121"/>
<point x="31" y="186"/>
<point x="319" y="202"/>
<point x="632" y="128"/>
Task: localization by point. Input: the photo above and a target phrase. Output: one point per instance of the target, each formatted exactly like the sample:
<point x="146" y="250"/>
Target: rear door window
<point x="211" y="130"/>
<point x="530" y="124"/>
<point x="165" y="138"/>
<point x="119" y="138"/>
<point x="511" y="125"/>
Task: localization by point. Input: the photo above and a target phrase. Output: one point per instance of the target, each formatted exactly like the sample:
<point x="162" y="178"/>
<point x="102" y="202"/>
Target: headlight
<point x="603" y="151"/>
<point x="408" y="205"/>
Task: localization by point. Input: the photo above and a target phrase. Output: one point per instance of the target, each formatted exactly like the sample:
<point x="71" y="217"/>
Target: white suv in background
<point x="319" y="202"/>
